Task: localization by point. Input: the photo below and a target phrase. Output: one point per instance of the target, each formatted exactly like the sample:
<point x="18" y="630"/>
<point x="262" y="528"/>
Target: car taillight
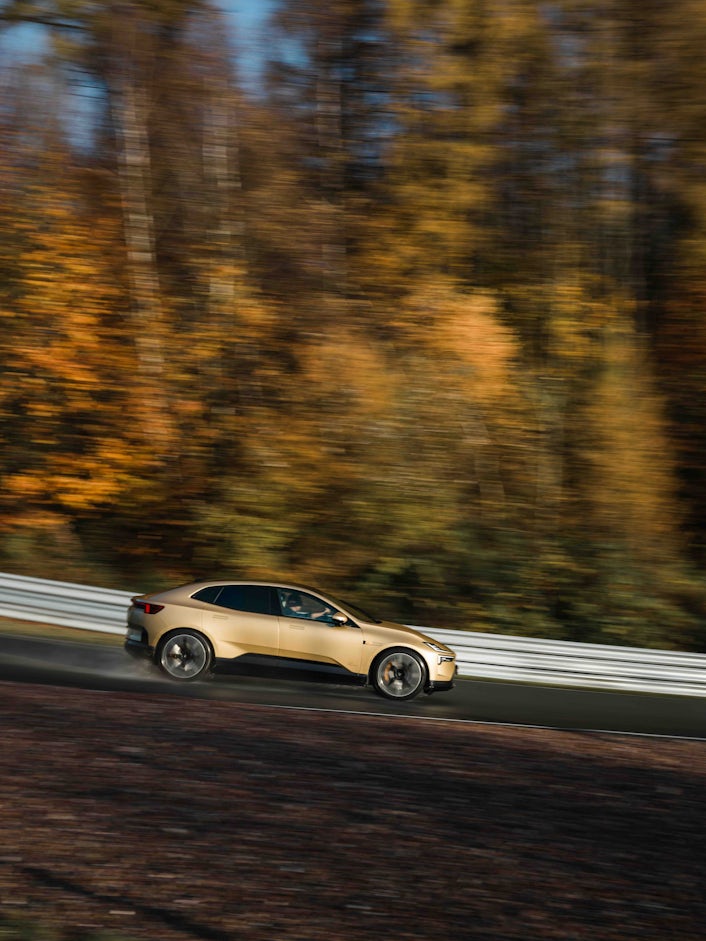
<point x="149" y="607"/>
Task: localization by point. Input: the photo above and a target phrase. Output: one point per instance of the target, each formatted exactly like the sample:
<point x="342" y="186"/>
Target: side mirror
<point x="340" y="620"/>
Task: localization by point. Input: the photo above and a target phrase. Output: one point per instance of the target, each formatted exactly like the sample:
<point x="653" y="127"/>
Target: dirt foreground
<point x="148" y="817"/>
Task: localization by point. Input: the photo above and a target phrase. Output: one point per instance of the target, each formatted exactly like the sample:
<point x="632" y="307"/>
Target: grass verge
<point x="34" y="629"/>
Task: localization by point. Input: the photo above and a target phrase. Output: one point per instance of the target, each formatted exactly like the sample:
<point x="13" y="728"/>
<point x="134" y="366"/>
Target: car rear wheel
<point x="185" y="655"/>
<point x="399" y="674"/>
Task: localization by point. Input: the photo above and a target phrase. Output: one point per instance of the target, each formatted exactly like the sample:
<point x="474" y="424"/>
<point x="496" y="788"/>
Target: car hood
<point x="389" y="631"/>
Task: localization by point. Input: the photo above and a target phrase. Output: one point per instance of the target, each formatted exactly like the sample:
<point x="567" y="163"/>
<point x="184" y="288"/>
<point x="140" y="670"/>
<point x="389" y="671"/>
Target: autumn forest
<point x="418" y="317"/>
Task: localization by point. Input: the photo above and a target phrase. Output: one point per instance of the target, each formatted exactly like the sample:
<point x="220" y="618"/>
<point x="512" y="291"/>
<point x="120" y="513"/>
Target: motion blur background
<point x="402" y="298"/>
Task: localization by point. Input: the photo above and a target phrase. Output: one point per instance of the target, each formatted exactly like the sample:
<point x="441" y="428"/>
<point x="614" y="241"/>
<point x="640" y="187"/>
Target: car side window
<point x="208" y="594"/>
<point x="255" y="599"/>
<point x="300" y="604"/>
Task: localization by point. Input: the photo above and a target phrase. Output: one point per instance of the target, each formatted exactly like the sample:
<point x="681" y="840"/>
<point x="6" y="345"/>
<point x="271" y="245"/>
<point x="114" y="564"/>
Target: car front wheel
<point x="399" y="674"/>
<point x="185" y="655"/>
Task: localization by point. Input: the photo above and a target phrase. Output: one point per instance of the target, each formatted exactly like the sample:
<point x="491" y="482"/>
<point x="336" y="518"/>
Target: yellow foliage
<point x="465" y="329"/>
<point x="628" y="469"/>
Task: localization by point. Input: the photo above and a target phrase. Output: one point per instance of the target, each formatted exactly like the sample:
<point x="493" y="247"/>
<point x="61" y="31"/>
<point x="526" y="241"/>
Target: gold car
<point x="189" y="631"/>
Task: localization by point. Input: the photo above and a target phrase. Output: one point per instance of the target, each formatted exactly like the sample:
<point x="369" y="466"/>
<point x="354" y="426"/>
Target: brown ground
<point x="148" y="817"/>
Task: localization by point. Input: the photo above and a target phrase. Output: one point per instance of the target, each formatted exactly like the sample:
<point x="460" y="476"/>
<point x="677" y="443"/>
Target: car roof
<point x="271" y="583"/>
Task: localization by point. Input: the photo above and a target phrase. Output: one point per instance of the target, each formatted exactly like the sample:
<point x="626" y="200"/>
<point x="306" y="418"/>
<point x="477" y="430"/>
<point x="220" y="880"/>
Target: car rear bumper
<point x="138" y="649"/>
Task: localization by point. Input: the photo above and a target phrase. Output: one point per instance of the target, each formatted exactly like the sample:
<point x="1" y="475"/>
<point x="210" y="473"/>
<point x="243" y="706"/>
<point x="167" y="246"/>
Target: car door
<point x="242" y="619"/>
<point x="312" y="634"/>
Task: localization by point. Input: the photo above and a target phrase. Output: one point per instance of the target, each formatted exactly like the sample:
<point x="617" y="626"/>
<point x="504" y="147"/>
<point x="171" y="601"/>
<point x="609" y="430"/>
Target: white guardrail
<point x="484" y="656"/>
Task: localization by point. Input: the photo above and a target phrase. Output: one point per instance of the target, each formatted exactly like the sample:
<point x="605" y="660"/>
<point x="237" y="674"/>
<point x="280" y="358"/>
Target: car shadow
<point x="265" y="667"/>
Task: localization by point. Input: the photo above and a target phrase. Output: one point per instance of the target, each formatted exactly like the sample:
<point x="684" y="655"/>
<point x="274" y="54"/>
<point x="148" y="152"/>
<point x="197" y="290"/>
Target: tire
<point x="399" y="674"/>
<point x="185" y="656"/>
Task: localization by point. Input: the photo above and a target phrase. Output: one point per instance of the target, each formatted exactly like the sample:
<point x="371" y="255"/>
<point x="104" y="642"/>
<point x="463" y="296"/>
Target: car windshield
<point x="355" y="610"/>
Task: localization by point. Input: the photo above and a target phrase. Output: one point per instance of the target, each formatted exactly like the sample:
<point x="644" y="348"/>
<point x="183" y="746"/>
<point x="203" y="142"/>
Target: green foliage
<point x="21" y="928"/>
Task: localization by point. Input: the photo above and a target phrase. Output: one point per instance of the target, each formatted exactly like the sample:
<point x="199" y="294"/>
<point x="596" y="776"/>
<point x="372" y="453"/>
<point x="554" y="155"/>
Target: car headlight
<point x="437" y="648"/>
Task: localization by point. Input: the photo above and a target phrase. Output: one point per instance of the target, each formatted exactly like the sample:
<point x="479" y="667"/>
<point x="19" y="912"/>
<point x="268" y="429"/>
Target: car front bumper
<point x="439" y="686"/>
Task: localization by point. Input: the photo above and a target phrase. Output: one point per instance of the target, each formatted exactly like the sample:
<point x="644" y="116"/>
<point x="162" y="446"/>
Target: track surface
<point x="88" y="666"/>
<point x="262" y="808"/>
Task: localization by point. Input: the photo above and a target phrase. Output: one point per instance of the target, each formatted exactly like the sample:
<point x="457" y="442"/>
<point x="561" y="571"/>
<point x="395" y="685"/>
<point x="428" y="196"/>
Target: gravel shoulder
<point x="145" y="816"/>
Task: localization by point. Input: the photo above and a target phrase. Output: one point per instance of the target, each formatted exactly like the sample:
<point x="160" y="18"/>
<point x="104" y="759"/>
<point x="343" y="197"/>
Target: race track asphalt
<point x="88" y="666"/>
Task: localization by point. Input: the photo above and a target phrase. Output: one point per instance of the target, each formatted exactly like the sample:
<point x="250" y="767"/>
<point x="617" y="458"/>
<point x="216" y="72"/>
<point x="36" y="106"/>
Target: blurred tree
<point x="401" y="322"/>
<point x="62" y="394"/>
<point x="329" y="90"/>
<point x="165" y="137"/>
<point x="678" y="295"/>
